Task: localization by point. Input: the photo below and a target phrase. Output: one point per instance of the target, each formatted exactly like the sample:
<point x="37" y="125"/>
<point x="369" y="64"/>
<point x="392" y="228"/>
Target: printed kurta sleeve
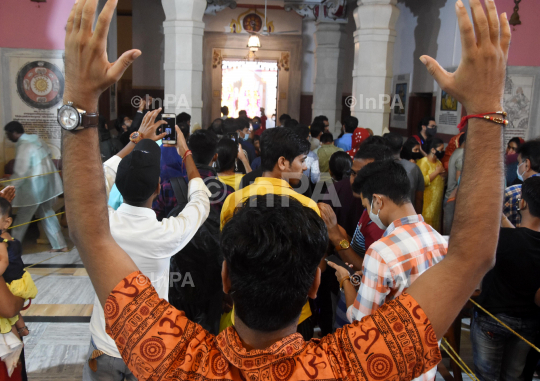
<point x="397" y="342"/>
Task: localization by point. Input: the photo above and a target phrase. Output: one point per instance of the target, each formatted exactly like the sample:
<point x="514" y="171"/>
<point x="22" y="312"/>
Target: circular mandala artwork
<point x="379" y="366"/>
<point x="153" y="349"/>
<point x="40" y="84"/>
<point x="220" y="366"/>
<point x="431" y="338"/>
<point x="283" y="370"/>
<point x="252" y="23"/>
<point x="111" y="308"/>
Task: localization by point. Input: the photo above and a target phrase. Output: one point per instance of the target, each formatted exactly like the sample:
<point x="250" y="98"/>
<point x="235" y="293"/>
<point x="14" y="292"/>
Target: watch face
<point x="344" y="244"/>
<point x="68" y="117"/>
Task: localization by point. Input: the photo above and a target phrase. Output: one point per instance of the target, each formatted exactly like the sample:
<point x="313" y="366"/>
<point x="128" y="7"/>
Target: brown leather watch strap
<point x="90" y="120"/>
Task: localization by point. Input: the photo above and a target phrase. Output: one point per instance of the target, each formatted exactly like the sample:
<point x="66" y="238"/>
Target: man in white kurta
<point x="35" y="195"/>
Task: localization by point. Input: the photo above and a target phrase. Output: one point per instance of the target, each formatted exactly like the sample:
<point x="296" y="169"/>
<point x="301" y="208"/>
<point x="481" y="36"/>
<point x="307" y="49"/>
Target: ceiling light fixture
<point x="254" y="43"/>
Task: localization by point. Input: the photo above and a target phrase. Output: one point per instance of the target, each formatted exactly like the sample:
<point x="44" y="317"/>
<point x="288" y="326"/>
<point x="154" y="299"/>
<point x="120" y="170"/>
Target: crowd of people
<point x="218" y="256"/>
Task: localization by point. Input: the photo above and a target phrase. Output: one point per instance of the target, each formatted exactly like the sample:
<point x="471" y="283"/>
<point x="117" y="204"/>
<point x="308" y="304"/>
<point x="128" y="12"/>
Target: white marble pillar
<point x="183" y="28"/>
<point x="328" y="78"/>
<point x="373" y="58"/>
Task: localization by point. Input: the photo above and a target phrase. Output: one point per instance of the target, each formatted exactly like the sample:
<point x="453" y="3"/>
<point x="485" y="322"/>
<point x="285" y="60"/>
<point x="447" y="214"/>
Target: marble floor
<point x="59" y="317"/>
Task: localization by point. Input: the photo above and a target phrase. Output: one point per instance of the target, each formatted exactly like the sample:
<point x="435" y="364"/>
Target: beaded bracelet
<point x="485" y="116"/>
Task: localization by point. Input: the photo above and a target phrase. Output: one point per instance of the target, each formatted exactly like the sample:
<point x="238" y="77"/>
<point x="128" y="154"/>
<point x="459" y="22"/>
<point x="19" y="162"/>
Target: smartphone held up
<point x="169" y="128"/>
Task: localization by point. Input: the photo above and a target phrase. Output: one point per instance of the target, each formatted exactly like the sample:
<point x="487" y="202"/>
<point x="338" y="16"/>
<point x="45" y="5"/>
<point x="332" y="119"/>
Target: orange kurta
<point x="158" y="342"/>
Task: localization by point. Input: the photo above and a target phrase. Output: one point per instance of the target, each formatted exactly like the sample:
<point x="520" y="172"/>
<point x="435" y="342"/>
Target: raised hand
<point x="478" y="82"/>
<point x="148" y="127"/>
<point x="87" y="67"/>
<point x="8" y="193"/>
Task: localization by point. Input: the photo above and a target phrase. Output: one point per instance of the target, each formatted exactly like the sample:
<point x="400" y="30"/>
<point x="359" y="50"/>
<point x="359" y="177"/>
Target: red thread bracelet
<point x="485" y="116"/>
<point x="188" y="152"/>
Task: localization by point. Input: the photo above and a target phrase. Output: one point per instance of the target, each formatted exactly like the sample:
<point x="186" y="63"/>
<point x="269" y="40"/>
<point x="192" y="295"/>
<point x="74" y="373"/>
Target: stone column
<point x="183" y="29"/>
<point x="328" y="79"/>
<point x="373" y="58"/>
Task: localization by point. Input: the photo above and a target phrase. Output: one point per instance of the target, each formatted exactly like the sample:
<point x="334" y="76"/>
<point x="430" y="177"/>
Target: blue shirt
<point x="345" y="142"/>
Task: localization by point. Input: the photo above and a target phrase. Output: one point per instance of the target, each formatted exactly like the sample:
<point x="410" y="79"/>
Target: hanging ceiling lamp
<point x="254" y="43"/>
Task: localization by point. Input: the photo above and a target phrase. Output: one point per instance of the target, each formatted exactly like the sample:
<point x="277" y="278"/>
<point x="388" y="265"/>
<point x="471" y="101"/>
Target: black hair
<point x="425" y="122"/>
<point x="530" y="191"/>
<point x="14" y="126"/>
<point x="350" y="124"/>
<point x="375" y="139"/>
<point x="284" y="117"/>
<point x="203" y="144"/>
<point x="5" y="207"/>
<point x="301" y="130"/>
<point x="373" y="151"/>
<point x="531" y="150"/>
<point x="225" y="110"/>
<point x="462" y="139"/>
<point x="183" y="117"/>
<point x="317" y="128"/>
<point x="433" y="143"/>
<point x="184" y="128"/>
<point x="278" y="142"/>
<point x="406" y="152"/>
<point x="515" y="140"/>
<point x="230" y="125"/>
<point x="242" y="114"/>
<point x="327" y="137"/>
<point x="340" y="164"/>
<point x="320" y="118"/>
<point x="227" y="151"/>
<point x="217" y="126"/>
<point x="393" y="141"/>
<point x="385" y="177"/>
<point x="256" y="117"/>
<point x="290" y="123"/>
<point x="270" y="272"/>
<point x="256" y="138"/>
<point x="241" y="123"/>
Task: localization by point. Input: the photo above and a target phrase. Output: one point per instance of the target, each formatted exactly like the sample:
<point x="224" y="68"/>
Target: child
<point x="18" y="280"/>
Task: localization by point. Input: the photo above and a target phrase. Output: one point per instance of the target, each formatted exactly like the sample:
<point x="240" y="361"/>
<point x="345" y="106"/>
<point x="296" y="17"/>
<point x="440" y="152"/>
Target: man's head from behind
<point x="269" y="275"/>
<point x="283" y="118"/>
<point x="14" y="130"/>
<point x="137" y="178"/>
<point x="350" y="124"/>
<point x="394" y="142"/>
<point x="368" y="153"/>
<point x="327" y="138"/>
<point x="283" y="152"/>
<point x="529" y="158"/>
<point x="183" y="117"/>
<point x="202" y="144"/>
<point x="383" y="186"/>
<point x="317" y="129"/>
<point x="529" y="205"/>
<point x="225" y="110"/>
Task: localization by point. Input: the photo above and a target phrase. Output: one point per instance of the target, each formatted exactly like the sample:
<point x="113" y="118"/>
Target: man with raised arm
<point x="272" y="253"/>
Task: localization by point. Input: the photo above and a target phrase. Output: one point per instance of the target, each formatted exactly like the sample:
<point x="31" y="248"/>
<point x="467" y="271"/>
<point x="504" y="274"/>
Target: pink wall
<point x="524" y="49"/>
<point x="25" y="25"/>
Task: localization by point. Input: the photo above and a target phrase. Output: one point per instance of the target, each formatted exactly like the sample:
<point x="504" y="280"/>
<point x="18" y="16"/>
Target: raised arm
<point x="478" y="84"/>
<point x="88" y="74"/>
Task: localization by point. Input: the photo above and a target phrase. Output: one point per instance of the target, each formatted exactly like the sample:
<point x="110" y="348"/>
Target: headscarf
<point x="359" y="135"/>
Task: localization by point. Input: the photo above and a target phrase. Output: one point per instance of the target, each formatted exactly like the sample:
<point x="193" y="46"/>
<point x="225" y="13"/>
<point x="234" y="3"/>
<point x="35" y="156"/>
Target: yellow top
<point x="24" y="288"/>
<point x="261" y="186"/>
<point x="232" y="180"/>
<point x="433" y="193"/>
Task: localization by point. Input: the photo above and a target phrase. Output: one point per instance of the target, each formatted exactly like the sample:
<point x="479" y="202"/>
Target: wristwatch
<point x="343" y="245"/>
<point x="74" y="119"/>
<point x="135" y="137"/>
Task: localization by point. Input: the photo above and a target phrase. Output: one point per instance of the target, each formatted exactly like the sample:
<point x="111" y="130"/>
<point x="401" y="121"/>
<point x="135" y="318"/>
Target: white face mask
<point x="375" y="217"/>
<point x="520" y="176"/>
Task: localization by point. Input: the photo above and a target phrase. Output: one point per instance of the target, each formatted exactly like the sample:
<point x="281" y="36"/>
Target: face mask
<point x="439" y="154"/>
<point x="256" y="126"/>
<point x="417" y="155"/>
<point x="128" y="124"/>
<point x="375" y="217"/>
<point x="246" y="136"/>
<point x="520" y="175"/>
<point x="431" y="131"/>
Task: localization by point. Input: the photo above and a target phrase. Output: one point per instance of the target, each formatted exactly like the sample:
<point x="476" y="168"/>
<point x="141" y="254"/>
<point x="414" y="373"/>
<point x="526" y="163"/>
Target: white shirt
<point x="149" y="242"/>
